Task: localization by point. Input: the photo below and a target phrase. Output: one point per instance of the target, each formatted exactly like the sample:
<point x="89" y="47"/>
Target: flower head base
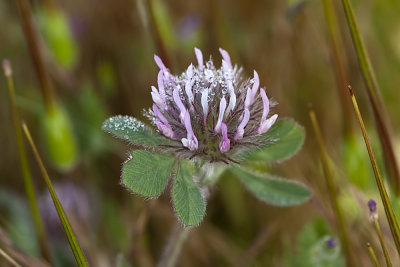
<point x="208" y="111"/>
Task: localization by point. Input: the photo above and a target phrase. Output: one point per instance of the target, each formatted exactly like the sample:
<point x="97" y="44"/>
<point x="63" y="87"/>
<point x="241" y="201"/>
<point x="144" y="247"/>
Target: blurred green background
<point x="99" y="56"/>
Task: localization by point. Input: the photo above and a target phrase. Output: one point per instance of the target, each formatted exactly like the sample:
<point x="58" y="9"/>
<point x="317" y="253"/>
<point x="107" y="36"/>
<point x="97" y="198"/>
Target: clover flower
<point x="209" y="121"/>
<point x="208" y="111"/>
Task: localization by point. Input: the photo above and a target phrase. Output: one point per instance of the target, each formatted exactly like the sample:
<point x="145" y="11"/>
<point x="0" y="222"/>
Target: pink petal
<point x="178" y="102"/>
<point x="255" y="86"/>
<point x="242" y="125"/>
<point x="159" y="63"/>
<point x="225" y="143"/>
<point x="222" y="107"/>
<point x="266" y="125"/>
<point x="199" y="56"/>
<point x="226" y="57"/>
<point x="265" y="104"/>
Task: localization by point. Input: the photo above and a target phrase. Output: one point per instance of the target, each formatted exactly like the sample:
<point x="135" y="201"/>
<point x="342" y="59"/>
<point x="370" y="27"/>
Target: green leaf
<point x="146" y="173"/>
<point x="271" y="189"/>
<point x="284" y="139"/>
<point x="132" y="130"/>
<point x="188" y="201"/>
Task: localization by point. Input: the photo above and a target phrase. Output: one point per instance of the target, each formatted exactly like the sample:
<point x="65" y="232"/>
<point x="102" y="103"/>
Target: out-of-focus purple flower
<point x="209" y="111"/>
<point x="188" y="26"/>
<point x="331" y="242"/>
<point x="372" y="205"/>
<point x="75" y="202"/>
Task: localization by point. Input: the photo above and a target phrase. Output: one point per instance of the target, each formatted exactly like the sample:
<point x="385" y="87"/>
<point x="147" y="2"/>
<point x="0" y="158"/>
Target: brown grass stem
<point x="379" y="111"/>
<point x="394" y="227"/>
<point x="37" y="58"/>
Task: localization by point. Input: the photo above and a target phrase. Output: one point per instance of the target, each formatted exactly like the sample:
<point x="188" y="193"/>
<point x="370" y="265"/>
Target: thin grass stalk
<point x="339" y="67"/>
<point x="382" y="242"/>
<point x="26" y="173"/>
<point x="391" y="217"/>
<point x="9" y="259"/>
<point x="372" y="254"/>
<point x="379" y="111"/>
<point x="76" y="249"/>
<point x="33" y="45"/>
<point x="344" y="238"/>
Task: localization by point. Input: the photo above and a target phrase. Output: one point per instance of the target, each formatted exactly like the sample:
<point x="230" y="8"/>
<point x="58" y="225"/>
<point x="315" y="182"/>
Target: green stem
<point x="174" y="246"/>
<point x="26" y="173"/>
<point x="373" y="256"/>
<point x="379" y="112"/>
<point x="380" y="236"/>
<point x="76" y="249"/>
<point x="391" y="217"/>
<point x="332" y="191"/>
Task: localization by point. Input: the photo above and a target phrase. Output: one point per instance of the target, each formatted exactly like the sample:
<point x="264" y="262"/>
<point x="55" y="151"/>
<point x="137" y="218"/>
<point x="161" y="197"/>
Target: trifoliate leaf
<point x="146" y="173"/>
<point x="272" y="189"/>
<point x="188" y="201"/>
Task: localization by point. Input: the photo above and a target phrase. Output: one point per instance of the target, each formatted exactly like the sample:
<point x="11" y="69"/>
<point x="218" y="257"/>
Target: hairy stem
<point x="174" y="246"/>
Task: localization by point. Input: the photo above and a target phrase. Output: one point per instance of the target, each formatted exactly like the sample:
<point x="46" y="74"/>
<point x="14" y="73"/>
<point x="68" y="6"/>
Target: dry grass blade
<point x="76" y="249"/>
<point x="394" y="227"/>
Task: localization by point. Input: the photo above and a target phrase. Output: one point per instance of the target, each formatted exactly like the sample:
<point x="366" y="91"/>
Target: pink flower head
<point x="209" y="111"/>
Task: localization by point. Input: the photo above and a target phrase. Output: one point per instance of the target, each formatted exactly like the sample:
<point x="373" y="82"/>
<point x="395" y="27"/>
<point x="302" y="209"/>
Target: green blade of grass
<point x="391" y="217"/>
<point x="332" y="191"/>
<point x="76" y="249"/>
<point x="26" y="173"/>
<point x="379" y="112"/>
